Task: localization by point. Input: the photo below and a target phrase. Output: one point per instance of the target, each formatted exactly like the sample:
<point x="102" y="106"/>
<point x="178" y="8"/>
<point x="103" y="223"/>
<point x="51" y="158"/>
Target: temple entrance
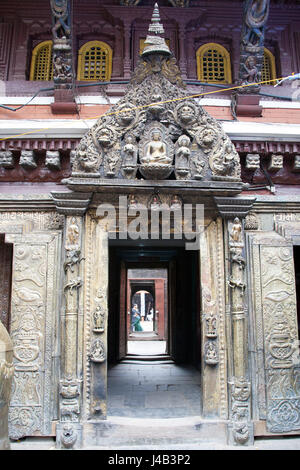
<point x="154" y="297"/>
<point x="154" y="368"/>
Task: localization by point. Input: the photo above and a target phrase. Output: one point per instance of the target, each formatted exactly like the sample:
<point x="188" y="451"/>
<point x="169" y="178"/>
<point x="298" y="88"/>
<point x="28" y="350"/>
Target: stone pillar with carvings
<point x="234" y="210"/>
<point x="68" y="430"/>
<point x="63" y="74"/>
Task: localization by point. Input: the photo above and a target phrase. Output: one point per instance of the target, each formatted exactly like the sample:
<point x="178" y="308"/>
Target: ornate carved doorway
<point x="174" y="284"/>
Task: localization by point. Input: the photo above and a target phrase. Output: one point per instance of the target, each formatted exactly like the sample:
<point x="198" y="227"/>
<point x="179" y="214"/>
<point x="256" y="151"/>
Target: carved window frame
<point x="108" y="52"/>
<point x="221" y="50"/>
<point x="37" y="62"/>
<point x="269" y="67"/>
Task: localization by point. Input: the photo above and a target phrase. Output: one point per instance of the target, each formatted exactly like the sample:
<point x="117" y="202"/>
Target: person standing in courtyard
<point x="136" y="319"/>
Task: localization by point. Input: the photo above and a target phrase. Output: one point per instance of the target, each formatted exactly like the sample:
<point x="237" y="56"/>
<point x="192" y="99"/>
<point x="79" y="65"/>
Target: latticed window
<point x="213" y="64"/>
<point x="41" y="62"/>
<point x="95" y="61"/>
<point x="269" y="68"/>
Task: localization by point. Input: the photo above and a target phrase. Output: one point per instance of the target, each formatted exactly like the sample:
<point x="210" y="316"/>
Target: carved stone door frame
<point x="34" y="323"/>
<point x="274" y="333"/>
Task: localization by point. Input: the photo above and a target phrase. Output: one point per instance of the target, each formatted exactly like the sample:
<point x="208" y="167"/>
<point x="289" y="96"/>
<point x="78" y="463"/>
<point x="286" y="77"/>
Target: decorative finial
<point x="155" y="44"/>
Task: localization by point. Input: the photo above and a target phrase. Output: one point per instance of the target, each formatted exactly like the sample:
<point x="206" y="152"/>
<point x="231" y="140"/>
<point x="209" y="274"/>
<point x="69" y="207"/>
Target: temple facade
<point x="158" y="144"/>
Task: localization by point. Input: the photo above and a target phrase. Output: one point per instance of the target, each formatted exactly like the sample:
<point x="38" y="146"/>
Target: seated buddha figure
<point x="156" y="151"/>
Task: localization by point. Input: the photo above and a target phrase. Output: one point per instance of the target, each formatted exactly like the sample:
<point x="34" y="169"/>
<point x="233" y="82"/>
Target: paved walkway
<point x="148" y="390"/>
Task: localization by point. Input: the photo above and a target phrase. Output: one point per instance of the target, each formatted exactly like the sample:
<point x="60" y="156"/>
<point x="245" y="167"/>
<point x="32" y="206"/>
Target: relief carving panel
<point x="280" y="335"/>
<point x="33" y="311"/>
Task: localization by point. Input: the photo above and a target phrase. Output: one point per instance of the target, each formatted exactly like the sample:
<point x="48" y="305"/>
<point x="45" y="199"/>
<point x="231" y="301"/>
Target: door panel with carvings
<point x="33" y="315"/>
<point x="280" y="337"/>
<point x="276" y="332"/>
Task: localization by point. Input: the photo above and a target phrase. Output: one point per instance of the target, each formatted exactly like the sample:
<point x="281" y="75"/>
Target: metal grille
<point x="43" y="66"/>
<point x="266" y="72"/>
<point x="213" y="66"/>
<point x="96" y="64"/>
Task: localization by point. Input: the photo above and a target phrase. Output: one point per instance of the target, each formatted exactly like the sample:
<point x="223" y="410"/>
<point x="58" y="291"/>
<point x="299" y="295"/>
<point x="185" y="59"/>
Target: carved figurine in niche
<point x="156" y="151"/>
<point x="7" y="159"/>
<point x="236" y="231"/>
<point x="27" y="160"/>
<point x="155" y="202"/>
<point x="176" y="203"/>
<point x="182" y="157"/>
<point x="61" y="69"/>
<point x="97" y="351"/>
<point x="53" y="160"/>
<point x="224" y="160"/>
<point x="130" y="151"/>
<point x="251" y="73"/>
<point x="132" y="204"/>
<point x="186" y="113"/>
<point x="99" y="319"/>
<point x="157" y="108"/>
<point x="73" y="234"/>
<point x="211" y="355"/>
<point x="87" y="158"/>
<point x="211" y="325"/>
<point x="112" y="161"/>
<point x="198" y="165"/>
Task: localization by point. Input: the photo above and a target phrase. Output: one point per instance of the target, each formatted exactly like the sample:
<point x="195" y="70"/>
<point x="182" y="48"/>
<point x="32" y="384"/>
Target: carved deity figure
<point x="132" y="202"/>
<point x="211" y="356"/>
<point x="73" y="233"/>
<point x="183" y="152"/>
<point x="98" y="318"/>
<point x="130" y="150"/>
<point x="186" y="114"/>
<point x="224" y="161"/>
<point x="236" y="231"/>
<point x="176" y="203"/>
<point x="88" y="158"/>
<point x="251" y="73"/>
<point x="155" y="203"/>
<point x="61" y="16"/>
<point x="256" y="15"/>
<point x="97" y="351"/>
<point x="156" y="98"/>
<point x="156" y="151"/>
<point x="62" y="69"/>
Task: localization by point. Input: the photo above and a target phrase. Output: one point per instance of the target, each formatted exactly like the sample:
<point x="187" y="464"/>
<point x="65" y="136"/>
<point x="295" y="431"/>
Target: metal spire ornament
<point x="154" y="43"/>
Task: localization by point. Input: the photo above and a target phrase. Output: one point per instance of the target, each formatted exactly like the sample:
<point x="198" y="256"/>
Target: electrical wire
<point x="196" y="95"/>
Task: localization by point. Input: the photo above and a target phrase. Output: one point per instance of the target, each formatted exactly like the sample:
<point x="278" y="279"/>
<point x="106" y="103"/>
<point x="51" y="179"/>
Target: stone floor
<point x="149" y="390"/>
<point x="146" y="347"/>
